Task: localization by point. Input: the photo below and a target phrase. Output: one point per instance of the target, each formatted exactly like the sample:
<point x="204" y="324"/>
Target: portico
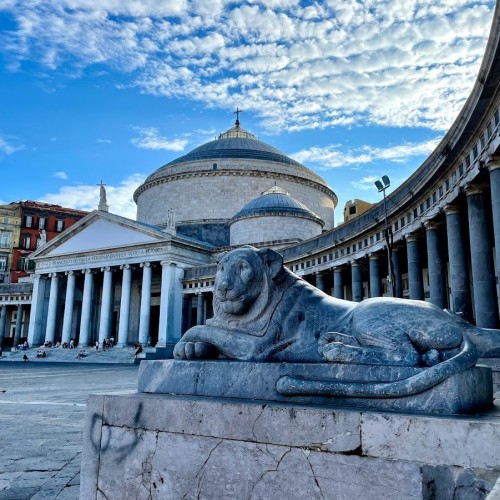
<point x="112" y="277"/>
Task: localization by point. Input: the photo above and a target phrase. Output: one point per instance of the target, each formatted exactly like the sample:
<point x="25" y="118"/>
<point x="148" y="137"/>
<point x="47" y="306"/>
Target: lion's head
<point x="243" y="281"/>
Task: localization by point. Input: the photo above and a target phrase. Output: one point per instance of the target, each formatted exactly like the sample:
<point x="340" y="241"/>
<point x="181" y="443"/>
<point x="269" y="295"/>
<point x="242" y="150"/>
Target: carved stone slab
<point x="466" y="392"/>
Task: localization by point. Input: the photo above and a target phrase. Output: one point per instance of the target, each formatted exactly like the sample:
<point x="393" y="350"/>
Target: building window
<point x="3" y="263"/>
<point x="428" y="203"/>
<point x="41" y="222"/>
<point x="489" y="130"/>
<point x="447" y="184"/>
<point x="5" y="240"/>
<point x="396" y="226"/>
<point x="378" y="237"/>
<point x="352" y="210"/>
<point x="483" y="141"/>
<point x="461" y="169"/>
<point x="371" y="239"/>
<point x="441" y="191"/>
<point x="415" y="213"/>
<point x="497" y="117"/>
<point x="59" y="225"/>
<point x="336" y="254"/>
<point x="22" y="265"/>
<point x="360" y="245"/>
<point x="28" y="221"/>
<point x="421" y="208"/>
<point x="474" y="151"/>
<point x="467" y="161"/>
<point x="27" y="242"/>
<point x="434" y="197"/>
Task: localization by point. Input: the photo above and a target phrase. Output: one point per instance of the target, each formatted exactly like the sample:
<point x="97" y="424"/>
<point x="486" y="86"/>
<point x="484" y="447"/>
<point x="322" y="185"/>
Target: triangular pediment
<point x="98" y="231"/>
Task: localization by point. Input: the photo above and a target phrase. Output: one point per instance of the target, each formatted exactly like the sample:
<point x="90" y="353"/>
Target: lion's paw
<point x="193" y="350"/>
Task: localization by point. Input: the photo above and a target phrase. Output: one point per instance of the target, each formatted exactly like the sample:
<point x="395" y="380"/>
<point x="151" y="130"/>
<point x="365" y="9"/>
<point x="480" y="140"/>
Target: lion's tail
<point x="426" y="379"/>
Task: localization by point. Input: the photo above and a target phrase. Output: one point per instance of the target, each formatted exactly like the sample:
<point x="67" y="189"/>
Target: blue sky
<point x="114" y="89"/>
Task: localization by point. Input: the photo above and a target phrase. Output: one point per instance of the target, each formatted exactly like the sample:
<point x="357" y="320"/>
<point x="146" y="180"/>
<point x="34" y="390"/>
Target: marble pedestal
<point x="152" y="446"/>
<point x="469" y="391"/>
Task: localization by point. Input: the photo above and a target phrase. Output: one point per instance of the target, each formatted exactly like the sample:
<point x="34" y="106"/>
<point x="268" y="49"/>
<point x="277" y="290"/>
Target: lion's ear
<point x="220" y="256"/>
<point x="273" y="260"/>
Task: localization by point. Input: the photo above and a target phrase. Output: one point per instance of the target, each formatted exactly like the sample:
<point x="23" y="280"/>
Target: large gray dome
<point x="236" y="143"/>
<point x="208" y="185"/>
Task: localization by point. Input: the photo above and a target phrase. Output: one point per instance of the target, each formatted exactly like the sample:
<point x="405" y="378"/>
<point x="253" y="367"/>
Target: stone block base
<point x="157" y="446"/>
<point x="469" y="391"/>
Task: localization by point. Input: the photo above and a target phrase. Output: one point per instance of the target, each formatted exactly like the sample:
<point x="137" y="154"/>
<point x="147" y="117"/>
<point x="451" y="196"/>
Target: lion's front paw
<point x="193" y="350"/>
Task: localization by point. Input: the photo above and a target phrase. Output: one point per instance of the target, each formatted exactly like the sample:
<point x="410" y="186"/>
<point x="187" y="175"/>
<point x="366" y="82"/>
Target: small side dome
<point x="275" y="219"/>
<point x="276" y="201"/>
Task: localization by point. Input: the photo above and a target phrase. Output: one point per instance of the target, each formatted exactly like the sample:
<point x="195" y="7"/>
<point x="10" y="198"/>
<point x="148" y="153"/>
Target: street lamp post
<point x="382" y="186"/>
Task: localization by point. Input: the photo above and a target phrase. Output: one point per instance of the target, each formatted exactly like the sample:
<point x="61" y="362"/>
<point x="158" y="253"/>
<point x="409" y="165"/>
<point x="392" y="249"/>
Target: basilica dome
<point x="209" y="185"/>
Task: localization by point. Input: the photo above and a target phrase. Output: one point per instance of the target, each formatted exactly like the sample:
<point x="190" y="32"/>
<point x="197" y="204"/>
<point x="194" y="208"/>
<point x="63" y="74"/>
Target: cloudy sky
<point x="112" y="89"/>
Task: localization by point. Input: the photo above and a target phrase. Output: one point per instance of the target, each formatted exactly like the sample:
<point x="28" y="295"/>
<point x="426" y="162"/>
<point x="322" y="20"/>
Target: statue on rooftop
<point x="264" y="312"/>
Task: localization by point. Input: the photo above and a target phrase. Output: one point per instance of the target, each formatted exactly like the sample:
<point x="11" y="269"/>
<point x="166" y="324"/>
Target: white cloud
<point x="337" y="155"/>
<point x="365" y="184"/>
<point x="60" y="175"/>
<point x="9" y="144"/>
<point x="337" y="62"/>
<point x="149" y="138"/>
<point x="86" y="197"/>
<point x="103" y="141"/>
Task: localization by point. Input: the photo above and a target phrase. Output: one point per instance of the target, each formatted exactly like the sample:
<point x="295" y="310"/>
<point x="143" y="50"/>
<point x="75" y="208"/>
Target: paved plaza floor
<point x="42" y="408"/>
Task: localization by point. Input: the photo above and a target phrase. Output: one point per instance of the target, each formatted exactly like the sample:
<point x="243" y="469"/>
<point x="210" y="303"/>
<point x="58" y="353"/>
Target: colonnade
<point x="49" y="304"/>
<point x="459" y="257"/>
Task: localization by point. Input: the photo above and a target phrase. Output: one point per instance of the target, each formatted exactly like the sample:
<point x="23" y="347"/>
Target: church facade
<point x="149" y="280"/>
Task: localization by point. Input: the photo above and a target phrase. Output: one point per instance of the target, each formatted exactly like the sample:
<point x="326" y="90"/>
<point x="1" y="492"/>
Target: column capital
<point x="373" y="256"/>
<point x="168" y="263"/>
<point x="354" y="263"/>
<point x="412" y="237"/>
<point x="107" y="269"/>
<point x="53" y="275"/>
<point x="473" y="189"/>
<point x="495" y="165"/>
<point x="451" y="209"/>
<point x="70" y="273"/>
<point x="125" y="266"/>
<point x="145" y="264"/>
<point x="431" y="225"/>
<point x="88" y="271"/>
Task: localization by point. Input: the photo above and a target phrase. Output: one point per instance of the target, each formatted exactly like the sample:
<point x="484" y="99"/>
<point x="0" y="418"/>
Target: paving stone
<point x="44" y="409"/>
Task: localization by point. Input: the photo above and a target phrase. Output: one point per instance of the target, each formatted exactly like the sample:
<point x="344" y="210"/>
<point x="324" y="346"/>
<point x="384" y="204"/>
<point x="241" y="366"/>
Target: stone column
<point x="3" y="322"/>
<point x="375" y="283"/>
<point x="483" y="275"/>
<point x="169" y="331"/>
<point x="494" y="168"/>
<point x="338" y="283"/>
<point x="398" y="278"/>
<point x="320" y="281"/>
<point x="124" y="305"/>
<point x="68" y="307"/>
<point x="415" y="281"/>
<point x="187" y="305"/>
<point x="459" y="275"/>
<point x="145" y="312"/>
<point x="357" y="283"/>
<point x="164" y="302"/>
<point x="200" y="309"/>
<point x="50" y="331"/>
<point x="36" y="314"/>
<point x="106" y="303"/>
<point x="19" y="325"/>
<point x="88" y="288"/>
<point x="436" y="266"/>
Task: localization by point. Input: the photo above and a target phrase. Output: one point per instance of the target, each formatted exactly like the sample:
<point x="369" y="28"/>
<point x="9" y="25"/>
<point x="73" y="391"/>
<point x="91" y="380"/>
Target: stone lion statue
<point x="264" y="312"/>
